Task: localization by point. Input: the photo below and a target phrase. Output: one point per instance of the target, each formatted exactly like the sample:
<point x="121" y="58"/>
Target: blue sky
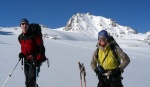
<point x="56" y="13"/>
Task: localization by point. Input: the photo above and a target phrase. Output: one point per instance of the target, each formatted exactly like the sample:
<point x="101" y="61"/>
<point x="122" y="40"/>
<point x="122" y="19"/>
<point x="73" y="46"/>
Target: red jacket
<point x="32" y="45"/>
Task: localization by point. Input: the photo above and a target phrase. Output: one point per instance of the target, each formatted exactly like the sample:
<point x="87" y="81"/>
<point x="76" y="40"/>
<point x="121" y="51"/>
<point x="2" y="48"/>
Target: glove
<point x="21" y="55"/>
<point x="116" y="72"/>
<point x="96" y="71"/>
<point x="99" y="70"/>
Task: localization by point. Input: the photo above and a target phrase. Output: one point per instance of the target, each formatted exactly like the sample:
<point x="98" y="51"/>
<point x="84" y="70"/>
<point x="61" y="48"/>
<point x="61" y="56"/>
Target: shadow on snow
<point x="5" y="33"/>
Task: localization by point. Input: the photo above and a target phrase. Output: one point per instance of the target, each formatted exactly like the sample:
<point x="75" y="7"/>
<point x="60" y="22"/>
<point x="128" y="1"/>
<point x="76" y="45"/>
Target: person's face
<point x="24" y="26"/>
<point x="102" y="40"/>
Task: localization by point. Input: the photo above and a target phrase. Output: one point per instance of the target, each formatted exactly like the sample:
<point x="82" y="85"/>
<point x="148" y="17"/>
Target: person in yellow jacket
<point x="109" y="61"/>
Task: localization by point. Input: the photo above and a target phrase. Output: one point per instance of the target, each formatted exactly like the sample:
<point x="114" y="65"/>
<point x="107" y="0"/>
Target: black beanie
<point x="24" y="20"/>
<point x="103" y="33"/>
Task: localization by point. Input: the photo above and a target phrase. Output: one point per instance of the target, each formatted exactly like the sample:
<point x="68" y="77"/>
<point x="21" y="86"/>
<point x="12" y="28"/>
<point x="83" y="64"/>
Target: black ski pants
<point x="111" y="82"/>
<point x="30" y="74"/>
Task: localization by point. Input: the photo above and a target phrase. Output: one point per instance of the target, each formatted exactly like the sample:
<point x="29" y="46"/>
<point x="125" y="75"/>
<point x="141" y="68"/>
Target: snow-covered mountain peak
<point x="91" y="25"/>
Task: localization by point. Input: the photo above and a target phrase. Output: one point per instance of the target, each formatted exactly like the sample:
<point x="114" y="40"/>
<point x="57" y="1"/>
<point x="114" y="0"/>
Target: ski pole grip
<point x="22" y="61"/>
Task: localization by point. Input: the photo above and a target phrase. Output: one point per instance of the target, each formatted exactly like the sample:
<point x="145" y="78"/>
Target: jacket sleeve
<point x="94" y="60"/>
<point x="19" y="40"/>
<point x="125" y="60"/>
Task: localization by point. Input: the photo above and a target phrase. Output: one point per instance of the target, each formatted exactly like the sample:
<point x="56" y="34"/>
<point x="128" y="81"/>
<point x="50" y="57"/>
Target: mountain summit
<point x="91" y="25"/>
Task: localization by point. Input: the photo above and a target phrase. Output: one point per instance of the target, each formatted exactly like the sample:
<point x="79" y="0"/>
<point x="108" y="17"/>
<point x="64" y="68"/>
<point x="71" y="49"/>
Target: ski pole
<point x="48" y="63"/>
<point x="11" y="73"/>
<point x="22" y="63"/>
<point x="36" y="76"/>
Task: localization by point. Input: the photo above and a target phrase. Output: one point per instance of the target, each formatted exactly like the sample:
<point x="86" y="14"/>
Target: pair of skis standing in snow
<point x="82" y="74"/>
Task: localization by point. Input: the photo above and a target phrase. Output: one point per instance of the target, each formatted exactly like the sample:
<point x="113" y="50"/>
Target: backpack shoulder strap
<point x="113" y="47"/>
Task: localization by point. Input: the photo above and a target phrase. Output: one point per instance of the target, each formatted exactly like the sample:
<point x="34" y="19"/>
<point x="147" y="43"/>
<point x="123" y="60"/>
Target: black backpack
<point x="35" y="29"/>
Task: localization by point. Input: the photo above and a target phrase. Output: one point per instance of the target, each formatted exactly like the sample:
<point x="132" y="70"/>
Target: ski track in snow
<point x="74" y="45"/>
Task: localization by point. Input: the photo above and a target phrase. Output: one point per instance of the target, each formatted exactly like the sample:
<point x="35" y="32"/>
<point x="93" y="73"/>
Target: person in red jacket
<point x="32" y="51"/>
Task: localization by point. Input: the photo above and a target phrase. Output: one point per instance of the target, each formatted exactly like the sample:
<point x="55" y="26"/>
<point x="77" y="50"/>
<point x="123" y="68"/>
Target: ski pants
<point x="30" y="74"/>
<point x="111" y="82"/>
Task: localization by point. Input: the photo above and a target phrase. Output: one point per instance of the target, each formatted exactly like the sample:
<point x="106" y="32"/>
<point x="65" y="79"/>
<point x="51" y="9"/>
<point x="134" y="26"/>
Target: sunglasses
<point x="24" y="24"/>
<point x="101" y="38"/>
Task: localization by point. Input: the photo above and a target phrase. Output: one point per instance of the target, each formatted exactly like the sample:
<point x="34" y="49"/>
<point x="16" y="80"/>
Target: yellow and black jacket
<point x="109" y="58"/>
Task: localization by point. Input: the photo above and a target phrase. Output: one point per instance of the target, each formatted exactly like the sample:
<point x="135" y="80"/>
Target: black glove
<point x="21" y="55"/>
<point x="116" y="72"/>
<point x="97" y="71"/>
<point x="37" y="63"/>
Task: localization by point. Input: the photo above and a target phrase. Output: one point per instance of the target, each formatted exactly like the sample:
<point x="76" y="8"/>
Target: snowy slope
<point x="65" y="52"/>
